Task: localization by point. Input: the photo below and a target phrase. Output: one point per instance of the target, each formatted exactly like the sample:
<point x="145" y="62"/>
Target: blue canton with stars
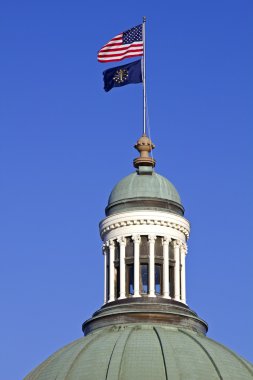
<point x="132" y="35"/>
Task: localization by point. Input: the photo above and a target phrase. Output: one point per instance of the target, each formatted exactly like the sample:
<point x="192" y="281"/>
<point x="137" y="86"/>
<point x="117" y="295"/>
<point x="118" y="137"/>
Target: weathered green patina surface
<point x="147" y="186"/>
<point x="150" y="352"/>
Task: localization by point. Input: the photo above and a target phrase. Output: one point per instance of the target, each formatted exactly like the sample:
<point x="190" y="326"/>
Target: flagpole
<point x="144" y="74"/>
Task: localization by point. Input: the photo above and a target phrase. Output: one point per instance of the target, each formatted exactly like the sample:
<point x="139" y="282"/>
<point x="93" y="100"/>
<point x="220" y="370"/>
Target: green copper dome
<point x="144" y="184"/>
<point x="138" y="186"/>
<point x="150" y="352"/>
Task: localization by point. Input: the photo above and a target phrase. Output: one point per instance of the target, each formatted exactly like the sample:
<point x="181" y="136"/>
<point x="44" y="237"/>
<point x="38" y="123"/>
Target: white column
<point x="105" y="273"/>
<point x="166" y="274"/>
<point x="176" y="246"/>
<point x="137" y="240"/>
<point x="183" y="251"/>
<point x="122" y="242"/>
<point x="151" y="239"/>
<point x="111" y="270"/>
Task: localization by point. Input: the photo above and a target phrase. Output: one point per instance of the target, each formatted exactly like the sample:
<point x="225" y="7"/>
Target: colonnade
<point x="173" y="251"/>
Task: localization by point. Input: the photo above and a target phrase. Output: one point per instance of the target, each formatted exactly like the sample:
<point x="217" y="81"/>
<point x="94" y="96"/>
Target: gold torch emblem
<point x="120" y="76"/>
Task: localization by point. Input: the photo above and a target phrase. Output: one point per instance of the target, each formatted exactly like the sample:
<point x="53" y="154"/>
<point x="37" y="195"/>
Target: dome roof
<point x="149" y="186"/>
<point x="141" y="185"/>
<point x="143" y="352"/>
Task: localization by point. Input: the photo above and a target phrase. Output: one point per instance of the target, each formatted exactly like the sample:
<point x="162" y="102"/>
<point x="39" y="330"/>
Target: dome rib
<point x="118" y="354"/>
<point x="241" y="360"/>
<point x="163" y="355"/>
<point x="169" y="352"/>
<point x="80" y="353"/>
<point x="205" y="350"/>
<point x="245" y="364"/>
<point x="123" y="351"/>
<point x="108" y="366"/>
<point x="35" y="374"/>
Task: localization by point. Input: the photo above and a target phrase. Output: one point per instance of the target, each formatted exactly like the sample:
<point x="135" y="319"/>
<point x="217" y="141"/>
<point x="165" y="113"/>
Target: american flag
<point x="125" y="45"/>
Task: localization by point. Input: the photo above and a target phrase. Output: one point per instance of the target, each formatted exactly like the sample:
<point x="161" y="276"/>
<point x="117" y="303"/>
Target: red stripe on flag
<point x="103" y="50"/>
<point x="118" y="59"/>
<point x="116" y="54"/>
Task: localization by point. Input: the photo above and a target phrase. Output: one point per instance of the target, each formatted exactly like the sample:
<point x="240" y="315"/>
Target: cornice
<point x="135" y="222"/>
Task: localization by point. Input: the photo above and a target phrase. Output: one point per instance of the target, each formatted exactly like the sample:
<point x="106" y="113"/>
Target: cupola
<point x="144" y="236"/>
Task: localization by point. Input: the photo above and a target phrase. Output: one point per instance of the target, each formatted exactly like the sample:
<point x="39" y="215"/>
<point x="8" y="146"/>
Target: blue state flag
<point x="122" y="75"/>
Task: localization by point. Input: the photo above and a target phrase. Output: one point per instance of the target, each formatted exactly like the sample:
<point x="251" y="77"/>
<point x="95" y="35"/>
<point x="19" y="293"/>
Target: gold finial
<point x="144" y="147"/>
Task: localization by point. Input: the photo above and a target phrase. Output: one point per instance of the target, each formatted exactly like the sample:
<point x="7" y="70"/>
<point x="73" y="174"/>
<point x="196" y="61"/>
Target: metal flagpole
<point x="144" y="75"/>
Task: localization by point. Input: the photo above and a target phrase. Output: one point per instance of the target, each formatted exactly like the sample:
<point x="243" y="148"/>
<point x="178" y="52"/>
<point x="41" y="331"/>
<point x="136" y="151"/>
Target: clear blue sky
<point x="65" y="143"/>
